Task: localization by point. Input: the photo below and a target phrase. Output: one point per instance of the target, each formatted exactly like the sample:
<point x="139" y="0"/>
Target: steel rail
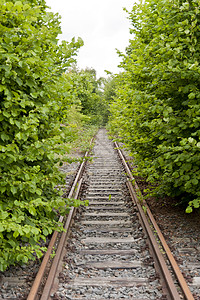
<point x="37" y="282"/>
<point x="185" y="289"/>
<point x="168" y="284"/>
<point x="54" y="266"/>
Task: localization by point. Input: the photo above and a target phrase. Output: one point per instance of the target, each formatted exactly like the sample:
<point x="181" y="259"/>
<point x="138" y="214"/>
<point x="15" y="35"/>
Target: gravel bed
<point x="86" y="276"/>
<point x="142" y="293"/>
<point x="181" y="231"/>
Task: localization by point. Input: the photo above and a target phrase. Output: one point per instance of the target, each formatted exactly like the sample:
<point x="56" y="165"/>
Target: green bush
<point x="157" y="108"/>
<point x="87" y="93"/>
<point x="32" y="64"/>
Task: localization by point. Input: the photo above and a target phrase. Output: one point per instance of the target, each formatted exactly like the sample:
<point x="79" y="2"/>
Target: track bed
<point x="107" y="254"/>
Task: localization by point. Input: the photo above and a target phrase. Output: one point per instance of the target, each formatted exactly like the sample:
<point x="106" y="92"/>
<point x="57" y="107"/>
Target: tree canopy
<point x="31" y="67"/>
<point x="157" y="104"/>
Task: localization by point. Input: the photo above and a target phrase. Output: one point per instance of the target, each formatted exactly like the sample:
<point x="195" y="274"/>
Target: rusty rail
<point x="159" y="257"/>
<point x="54" y="266"/>
<point x="38" y="279"/>
<point x="169" y="286"/>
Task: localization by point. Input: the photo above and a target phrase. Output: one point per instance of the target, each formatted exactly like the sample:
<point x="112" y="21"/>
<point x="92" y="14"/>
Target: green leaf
<point x="45" y="232"/>
<point x="195" y="181"/>
<point x="12" y="243"/>
<point x="188" y="210"/>
<point x="1" y="228"/>
<point x="3" y="215"/>
<point x="191" y="140"/>
<point x="18" y="3"/>
<point x="4" y="136"/>
<point x="34" y="95"/>
<point x="32" y="210"/>
<point x="196" y="203"/>
<point x="19" y="135"/>
<point x="38" y="192"/>
<point x="13" y="190"/>
<point x="20" y="257"/>
<point x="2" y="189"/>
<point x="191" y="96"/>
<point x="15" y="234"/>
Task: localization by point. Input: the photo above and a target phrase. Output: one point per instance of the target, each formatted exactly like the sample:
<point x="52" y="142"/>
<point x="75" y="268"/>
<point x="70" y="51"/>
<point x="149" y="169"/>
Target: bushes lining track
<point x="157" y="104"/>
<point x="32" y="64"/>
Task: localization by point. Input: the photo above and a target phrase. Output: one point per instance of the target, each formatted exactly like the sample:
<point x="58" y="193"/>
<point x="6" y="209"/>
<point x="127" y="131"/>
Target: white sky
<point x="103" y="26"/>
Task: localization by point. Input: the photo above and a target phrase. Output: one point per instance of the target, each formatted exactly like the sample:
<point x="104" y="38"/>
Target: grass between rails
<point x="80" y="143"/>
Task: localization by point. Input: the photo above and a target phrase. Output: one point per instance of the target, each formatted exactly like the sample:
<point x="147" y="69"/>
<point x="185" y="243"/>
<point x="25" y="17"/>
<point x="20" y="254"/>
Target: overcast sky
<point x="103" y="26"/>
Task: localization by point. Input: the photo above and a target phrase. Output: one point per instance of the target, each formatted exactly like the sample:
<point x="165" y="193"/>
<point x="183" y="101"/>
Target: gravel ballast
<point x="107" y="254"/>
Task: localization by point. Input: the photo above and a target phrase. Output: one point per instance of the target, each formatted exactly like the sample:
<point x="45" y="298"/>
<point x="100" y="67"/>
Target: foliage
<point x="110" y="89"/>
<point x="157" y="107"/>
<point x="32" y="64"/>
<point x="109" y="93"/>
<point x="86" y="90"/>
<point x="78" y="133"/>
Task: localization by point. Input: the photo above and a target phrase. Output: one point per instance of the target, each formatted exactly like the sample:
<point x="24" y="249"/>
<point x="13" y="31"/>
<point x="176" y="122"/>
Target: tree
<point x="32" y="63"/>
<point x="158" y="95"/>
<point x="87" y="93"/>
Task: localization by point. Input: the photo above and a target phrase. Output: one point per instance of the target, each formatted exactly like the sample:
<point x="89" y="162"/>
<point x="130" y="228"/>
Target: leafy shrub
<point x="87" y="93"/>
<point x="157" y="107"/>
<point x="31" y="67"/>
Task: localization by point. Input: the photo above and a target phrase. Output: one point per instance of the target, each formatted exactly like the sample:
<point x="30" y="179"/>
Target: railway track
<point x="111" y="252"/>
<point x="108" y="250"/>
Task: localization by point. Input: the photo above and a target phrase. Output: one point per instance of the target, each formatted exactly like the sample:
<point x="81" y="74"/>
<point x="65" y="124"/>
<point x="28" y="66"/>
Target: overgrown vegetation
<point x="88" y="91"/>
<point x="157" y="104"/>
<point x="37" y="101"/>
<point x="78" y="132"/>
